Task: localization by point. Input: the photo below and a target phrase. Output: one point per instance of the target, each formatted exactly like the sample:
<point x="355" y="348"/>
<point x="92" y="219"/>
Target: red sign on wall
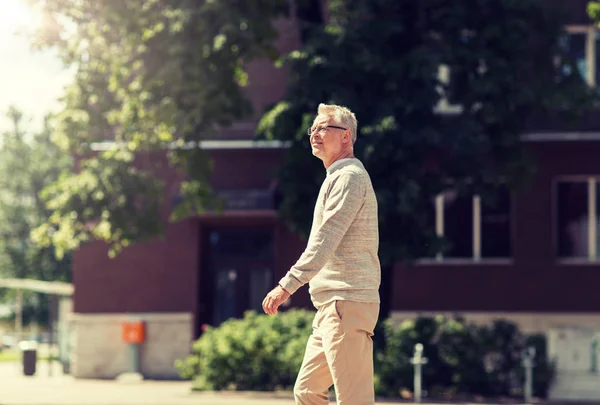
<point x="134" y="332"/>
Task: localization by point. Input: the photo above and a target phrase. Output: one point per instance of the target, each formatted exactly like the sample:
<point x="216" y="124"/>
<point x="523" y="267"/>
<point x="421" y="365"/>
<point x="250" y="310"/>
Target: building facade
<point x="534" y="258"/>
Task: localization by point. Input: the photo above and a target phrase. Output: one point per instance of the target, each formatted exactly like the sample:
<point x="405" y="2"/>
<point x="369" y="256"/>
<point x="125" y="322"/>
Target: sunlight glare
<point x="16" y="16"/>
<point x="33" y="80"/>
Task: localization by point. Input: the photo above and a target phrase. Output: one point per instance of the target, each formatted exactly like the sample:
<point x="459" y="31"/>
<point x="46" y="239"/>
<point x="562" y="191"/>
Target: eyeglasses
<point x="321" y="130"/>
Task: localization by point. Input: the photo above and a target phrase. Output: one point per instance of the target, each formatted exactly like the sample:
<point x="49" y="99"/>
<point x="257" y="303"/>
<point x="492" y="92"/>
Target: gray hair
<point x="341" y="115"/>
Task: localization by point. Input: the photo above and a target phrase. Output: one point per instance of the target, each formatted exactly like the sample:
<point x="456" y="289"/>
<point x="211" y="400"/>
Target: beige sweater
<point x="340" y="261"/>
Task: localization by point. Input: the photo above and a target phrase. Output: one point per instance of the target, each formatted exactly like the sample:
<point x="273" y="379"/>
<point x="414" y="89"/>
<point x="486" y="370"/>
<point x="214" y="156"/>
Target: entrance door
<point x="241" y="268"/>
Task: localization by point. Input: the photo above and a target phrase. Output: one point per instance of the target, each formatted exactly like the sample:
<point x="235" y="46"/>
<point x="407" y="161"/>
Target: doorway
<point x="237" y="271"/>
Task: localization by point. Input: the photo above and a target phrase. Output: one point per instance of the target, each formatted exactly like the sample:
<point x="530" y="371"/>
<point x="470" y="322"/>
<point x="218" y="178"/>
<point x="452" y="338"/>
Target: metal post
<point x="418" y="360"/>
<point x="528" y="364"/>
<point x="51" y="321"/>
<point x="134" y="358"/>
<point x="19" y="316"/>
<point x="594" y="359"/>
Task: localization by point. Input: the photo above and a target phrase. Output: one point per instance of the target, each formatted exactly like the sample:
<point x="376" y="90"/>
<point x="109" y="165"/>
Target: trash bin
<point x="29" y="350"/>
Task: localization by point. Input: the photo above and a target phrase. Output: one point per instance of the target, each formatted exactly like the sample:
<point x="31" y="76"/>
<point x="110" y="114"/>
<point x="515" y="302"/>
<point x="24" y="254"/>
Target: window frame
<point x="476" y="257"/>
<point x="593" y="256"/>
<point x="590" y="49"/>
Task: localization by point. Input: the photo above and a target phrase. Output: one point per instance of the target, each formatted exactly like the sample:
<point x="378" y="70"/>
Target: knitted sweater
<point x="340" y="261"/>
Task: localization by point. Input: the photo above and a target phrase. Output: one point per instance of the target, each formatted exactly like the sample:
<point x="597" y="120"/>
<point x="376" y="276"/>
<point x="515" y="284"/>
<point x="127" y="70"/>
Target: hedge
<point x="263" y="353"/>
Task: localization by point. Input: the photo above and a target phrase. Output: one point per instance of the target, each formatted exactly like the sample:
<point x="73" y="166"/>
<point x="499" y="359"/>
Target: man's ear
<point x="347" y="136"/>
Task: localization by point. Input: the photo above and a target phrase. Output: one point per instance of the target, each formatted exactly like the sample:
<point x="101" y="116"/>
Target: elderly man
<point x="341" y="265"/>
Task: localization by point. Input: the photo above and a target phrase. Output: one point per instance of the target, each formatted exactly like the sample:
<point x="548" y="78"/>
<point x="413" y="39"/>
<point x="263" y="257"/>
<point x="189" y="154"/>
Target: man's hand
<point x="274" y="299"/>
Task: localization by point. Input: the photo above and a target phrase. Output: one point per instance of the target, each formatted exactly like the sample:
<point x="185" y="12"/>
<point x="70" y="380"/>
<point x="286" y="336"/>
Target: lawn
<point x="13" y="355"/>
<point x="9" y="355"/>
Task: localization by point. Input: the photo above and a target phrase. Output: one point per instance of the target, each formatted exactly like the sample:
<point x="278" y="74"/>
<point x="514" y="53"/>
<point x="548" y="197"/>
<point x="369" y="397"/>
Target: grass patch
<point x="13" y="355"/>
<point x="9" y="355"/>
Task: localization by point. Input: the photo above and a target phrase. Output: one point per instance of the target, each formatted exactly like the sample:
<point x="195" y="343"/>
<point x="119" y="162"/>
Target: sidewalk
<point x="41" y="389"/>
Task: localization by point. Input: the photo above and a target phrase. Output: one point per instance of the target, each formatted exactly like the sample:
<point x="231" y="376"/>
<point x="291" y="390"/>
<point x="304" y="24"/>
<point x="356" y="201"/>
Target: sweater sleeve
<point x="343" y="202"/>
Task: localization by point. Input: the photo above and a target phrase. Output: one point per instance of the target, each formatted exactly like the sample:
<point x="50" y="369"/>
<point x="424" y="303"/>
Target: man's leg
<point x="348" y="345"/>
<point x="314" y="379"/>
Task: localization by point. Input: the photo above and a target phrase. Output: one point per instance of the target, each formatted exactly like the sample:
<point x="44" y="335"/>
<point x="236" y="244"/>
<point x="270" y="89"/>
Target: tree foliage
<point x="594" y="11"/>
<point x="382" y="59"/>
<point x="108" y="199"/>
<point x="28" y="164"/>
<point x="150" y="75"/>
<point x="386" y="60"/>
<point x="154" y="74"/>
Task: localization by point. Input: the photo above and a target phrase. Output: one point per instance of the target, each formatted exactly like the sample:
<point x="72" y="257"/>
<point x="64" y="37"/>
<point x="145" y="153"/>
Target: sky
<point x="31" y="80"/>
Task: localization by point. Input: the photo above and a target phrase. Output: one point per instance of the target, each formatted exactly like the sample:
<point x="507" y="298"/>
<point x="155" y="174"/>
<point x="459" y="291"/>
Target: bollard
<point x="528" y="364"/>
<point x="418" y="360"/>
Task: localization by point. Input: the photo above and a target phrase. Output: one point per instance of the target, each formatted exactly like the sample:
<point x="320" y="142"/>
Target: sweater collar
<point x="337" y="164"/>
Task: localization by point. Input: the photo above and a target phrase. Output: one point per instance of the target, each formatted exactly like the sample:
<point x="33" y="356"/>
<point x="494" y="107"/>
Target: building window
<point x="496" y="230"/>
<point x="476" y="229"/>
<point x="458" y="224"/>
<point x="577" y="213"/>
<point x="582" y="43"/>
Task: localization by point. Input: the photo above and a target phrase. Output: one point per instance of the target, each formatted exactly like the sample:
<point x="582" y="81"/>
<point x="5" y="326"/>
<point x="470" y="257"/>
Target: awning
<point x="47" y="287"/>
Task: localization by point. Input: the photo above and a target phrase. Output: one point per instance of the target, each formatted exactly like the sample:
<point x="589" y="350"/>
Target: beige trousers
<point x="339" y="352"/>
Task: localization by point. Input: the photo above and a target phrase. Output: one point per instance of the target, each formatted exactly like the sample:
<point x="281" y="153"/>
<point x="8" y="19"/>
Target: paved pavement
<point x="43" y="389"/>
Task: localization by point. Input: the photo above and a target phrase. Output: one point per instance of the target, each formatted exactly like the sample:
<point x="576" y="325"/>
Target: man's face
<point x="326" y="141"/>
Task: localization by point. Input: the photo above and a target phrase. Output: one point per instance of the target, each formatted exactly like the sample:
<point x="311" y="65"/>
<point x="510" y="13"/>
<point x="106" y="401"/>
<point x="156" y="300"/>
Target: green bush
<point x="459" y="351"/>
<point x="263" y="353"/>
<point x="545" y="369"/>
<point x="462" y="358"/>
<point x="503" y="344"/>
<point x="392" y="363"/>
<point x="257" y="352"/>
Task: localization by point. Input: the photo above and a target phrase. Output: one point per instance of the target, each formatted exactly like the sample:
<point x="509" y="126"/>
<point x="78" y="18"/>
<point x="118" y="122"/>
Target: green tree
<point x="385" y="60"/>
<point x="594" y="11"/>
<point x="149" y="75"/>
<point x="28" y="164"/>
